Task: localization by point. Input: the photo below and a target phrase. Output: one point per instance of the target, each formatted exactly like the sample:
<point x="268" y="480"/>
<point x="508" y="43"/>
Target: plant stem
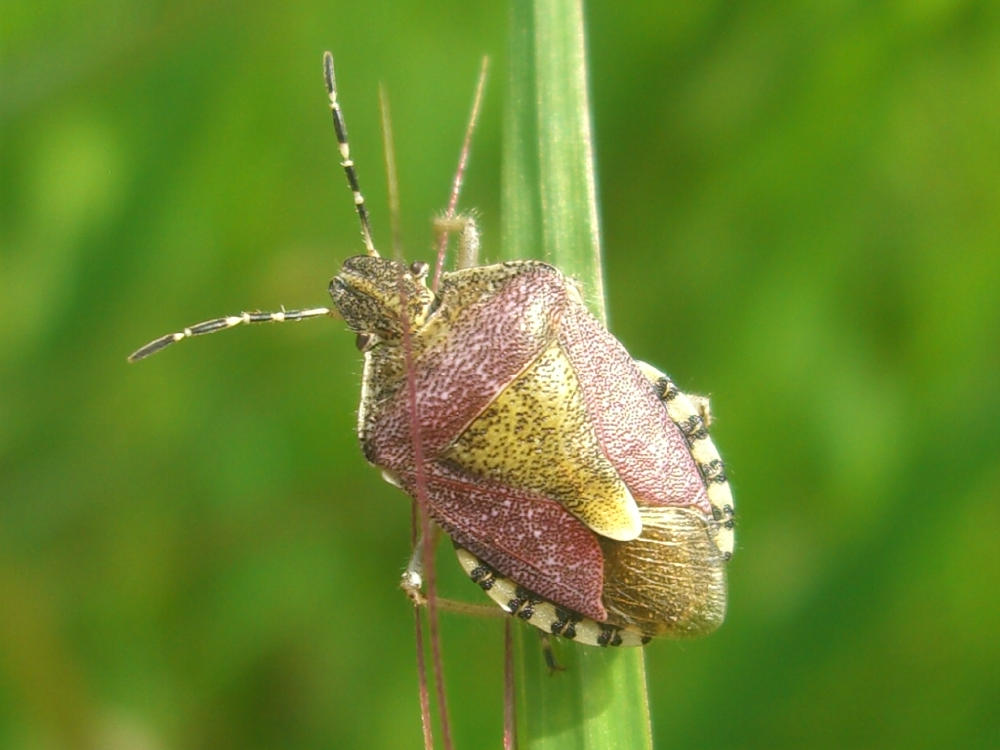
<point x="550" y="212"/>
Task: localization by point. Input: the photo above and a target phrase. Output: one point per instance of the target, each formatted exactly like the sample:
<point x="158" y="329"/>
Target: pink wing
<point x="528" y="538"/>
<point x="633" y="427"/>
<point x="460" y="375"/>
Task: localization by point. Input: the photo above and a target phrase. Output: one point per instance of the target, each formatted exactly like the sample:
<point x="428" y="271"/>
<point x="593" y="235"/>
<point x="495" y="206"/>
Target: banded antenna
<point x="340" y="128"/>
<point x="284" y="316"/>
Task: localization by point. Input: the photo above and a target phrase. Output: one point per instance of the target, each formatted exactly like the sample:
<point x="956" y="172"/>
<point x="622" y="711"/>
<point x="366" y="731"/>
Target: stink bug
<point x="580" y="487"/>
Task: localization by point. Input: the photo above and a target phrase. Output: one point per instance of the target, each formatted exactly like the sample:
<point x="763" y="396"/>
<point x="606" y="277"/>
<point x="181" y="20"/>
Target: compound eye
<point x="363" y="341"/>
<point x="419" y="269"/>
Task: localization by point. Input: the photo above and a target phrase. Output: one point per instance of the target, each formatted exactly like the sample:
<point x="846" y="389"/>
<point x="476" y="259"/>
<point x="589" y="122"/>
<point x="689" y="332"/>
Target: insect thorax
<point x="367" y="293"/>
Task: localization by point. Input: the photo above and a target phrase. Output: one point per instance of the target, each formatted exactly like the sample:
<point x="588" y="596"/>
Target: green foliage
<point x="799" y="211"/>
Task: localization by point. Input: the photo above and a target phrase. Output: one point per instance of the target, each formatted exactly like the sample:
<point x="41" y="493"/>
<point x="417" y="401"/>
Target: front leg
<point x="468" y="237"/>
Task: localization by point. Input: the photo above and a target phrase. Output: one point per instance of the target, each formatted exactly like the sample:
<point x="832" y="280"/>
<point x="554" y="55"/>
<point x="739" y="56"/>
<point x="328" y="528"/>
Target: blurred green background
<point x="801" y="213"/>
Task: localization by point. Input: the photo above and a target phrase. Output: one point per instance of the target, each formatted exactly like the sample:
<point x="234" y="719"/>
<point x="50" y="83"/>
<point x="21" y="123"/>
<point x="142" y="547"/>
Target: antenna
<point x="340" y="127"/>
<point x="283" y="316"/>
<point x="221" y="324"/>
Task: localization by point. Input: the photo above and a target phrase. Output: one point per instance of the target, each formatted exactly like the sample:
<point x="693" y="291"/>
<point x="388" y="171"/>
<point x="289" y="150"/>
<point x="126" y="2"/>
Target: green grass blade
<point x="549" y="211"/>
<point x="549" y="191"/>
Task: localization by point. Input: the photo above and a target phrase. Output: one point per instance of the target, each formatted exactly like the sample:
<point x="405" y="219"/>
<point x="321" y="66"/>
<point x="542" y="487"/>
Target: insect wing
<point x="633" y="427"/>
<point x="530" y="538"/>
<point x="490" y="323"/>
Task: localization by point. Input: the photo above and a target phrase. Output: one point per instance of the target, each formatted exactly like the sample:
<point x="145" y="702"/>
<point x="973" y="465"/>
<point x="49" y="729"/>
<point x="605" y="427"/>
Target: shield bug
<point x="580" y="487"/>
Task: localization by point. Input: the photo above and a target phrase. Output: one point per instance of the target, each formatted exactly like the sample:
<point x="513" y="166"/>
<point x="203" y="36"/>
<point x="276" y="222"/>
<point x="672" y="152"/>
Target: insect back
<point x="580" y="487"/>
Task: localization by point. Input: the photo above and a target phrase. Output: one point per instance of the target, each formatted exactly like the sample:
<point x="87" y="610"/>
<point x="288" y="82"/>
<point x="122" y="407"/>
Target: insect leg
<point x="549" y="653"/>
<point x="412" y="583"/>
<point x="221" y="324"/>
<point x="468" y="237"/>
<point x="412" y="580"/>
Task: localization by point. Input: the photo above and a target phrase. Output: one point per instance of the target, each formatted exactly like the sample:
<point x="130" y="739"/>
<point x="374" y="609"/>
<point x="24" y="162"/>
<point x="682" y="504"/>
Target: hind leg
<point x="412" y="583"/>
